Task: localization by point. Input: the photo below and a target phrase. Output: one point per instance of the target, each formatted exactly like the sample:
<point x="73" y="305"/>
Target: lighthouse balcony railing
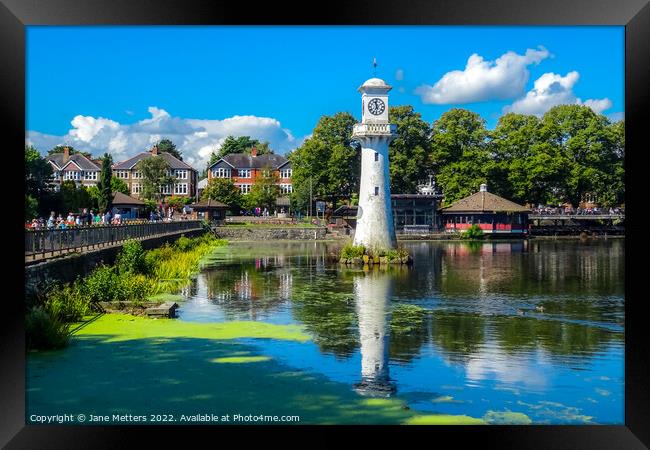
<point x="374" y="129"/>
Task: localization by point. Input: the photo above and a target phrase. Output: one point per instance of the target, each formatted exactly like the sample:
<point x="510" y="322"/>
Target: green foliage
<point x="119" y="185"/>
<point x="241" y="144"/>
<point x="224" y="191"/>
<point x="352" y="251"/>
<point x="68" y="303"/>
<point x="473" y="232"/>
<point x="177" y="202"/>
<point x="73" y="198"/>
<point x="105" y="200"/>
<point x="43" y="331"/>
<point x="168" y="146"/>
<point x="131" y="258"/>
<point x="408" y="154"/>
<point x="31" y="207"/>
<point x="329" y="162"/>
<point x="407" y="319"/>
<point x="264" y="193"/>
<point x="60" y="149"/>
<point x="154" y="173"/>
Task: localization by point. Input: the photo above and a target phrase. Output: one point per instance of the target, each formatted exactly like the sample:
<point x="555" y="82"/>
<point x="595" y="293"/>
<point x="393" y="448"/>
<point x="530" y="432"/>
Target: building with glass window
<point x="75" y="167"/>
<point x="244" y="169"/>
<point x="493" y="214"/>
<point x="186" y="176"/>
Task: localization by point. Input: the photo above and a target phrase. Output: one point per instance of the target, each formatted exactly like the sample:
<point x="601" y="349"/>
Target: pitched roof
<point x="246" y="161"/>
<point x="123" y="199"/>
<point x="208" y="203"/>
<point x="484" y="201"/>
<point x="79" y="159"/>
<point x="174" y="163"/>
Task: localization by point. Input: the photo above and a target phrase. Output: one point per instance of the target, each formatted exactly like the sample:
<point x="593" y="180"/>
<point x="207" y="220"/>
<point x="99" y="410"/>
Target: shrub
<point x="353" y="251"/>
<point x="43" y="331"/>
<point x="101" y="284"/>
<point x="185" y="244"/>
<point x="135" y="288"/>
<point x="131" y="258"/>
<point x="68" y="303"/>
<point x="473" y="232"/>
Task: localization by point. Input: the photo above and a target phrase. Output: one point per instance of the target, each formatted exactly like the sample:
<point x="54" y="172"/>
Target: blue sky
<point x="118" y="89"/>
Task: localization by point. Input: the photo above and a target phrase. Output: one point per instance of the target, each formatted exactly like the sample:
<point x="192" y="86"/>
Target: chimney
<point x="253" y="151"/>
<point x="483" y="188"/>
<point x="154" y="150"/>
<point x="66" y="154"/>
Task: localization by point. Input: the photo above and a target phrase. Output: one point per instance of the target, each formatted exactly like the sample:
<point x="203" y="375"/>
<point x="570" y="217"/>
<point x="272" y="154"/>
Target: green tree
<point x="224" y="191"/>
<point x="241" y="144"/>
<point x="74" y="198"/>
<point x="105" y="200"/>
<point x="590" y="150"/>
<point x="38" y="176"/>
<point x="119" y="185"/>
<point x="168" y="146"/>
<point x="459" y="153"/>
<point x="329" y="161"/>
<point x="409" y="152"/>
<point x="60" y="148"/>
<point x="155" y="174"/>
<point x="264" y="193"/>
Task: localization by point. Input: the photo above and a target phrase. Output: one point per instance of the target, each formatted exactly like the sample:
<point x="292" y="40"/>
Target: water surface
<point x="476" y="329"/>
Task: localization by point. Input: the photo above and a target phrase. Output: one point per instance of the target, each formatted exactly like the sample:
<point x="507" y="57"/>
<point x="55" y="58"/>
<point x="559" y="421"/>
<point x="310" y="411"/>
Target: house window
<point x="285" y="173"/>
<point x="245" y="188"/>
<point x="181" y="174"/>
<point x="122" y="173"/>
<point x="166" y="189"/>
<point x="376" y="156"/>
<point x="221" y="173"/>
<point x="286" y="189"/>
<point x="135" y="188"/>
<point x="376" y="190"/>
<point x="244" y="173"/>
<point x="136" y="174"/>
<point x="180" y="188"/>
<point x="71" y="175"/>
<point x="90" y="175"/>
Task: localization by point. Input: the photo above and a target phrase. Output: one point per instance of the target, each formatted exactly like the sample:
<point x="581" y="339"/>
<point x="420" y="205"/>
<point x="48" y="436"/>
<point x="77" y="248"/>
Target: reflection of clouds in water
<point x="493" y="363"/>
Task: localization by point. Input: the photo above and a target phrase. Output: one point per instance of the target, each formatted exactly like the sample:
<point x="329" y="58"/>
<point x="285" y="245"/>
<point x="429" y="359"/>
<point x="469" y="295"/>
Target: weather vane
<point x="374" y="65"/>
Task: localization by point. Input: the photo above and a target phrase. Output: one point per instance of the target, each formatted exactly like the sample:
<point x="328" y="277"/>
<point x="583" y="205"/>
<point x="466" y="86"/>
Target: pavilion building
<point x="493" y="214"/>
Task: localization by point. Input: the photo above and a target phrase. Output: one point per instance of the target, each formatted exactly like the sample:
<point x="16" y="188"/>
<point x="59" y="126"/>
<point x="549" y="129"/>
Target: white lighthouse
<point x="375" y="228"/>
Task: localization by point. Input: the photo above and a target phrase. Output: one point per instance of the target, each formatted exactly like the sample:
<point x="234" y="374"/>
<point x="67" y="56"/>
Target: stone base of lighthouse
<point x="375" y="229"/>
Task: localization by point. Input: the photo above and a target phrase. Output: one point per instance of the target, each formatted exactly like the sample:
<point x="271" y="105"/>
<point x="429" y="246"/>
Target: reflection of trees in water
<point x="459" y="335"/>
<point x="325" y="305"/>
<point x="533" y="268"/>
<point x="408" y="332"/>
<point x="249" y="288"/>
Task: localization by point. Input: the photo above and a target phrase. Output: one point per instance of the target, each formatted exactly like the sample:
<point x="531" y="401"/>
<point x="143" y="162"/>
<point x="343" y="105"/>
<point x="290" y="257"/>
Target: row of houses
<point x="242" y="169"/>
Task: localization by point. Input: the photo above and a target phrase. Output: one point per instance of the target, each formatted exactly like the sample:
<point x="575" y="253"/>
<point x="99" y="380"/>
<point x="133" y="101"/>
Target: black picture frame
<point x="633" y="14"/>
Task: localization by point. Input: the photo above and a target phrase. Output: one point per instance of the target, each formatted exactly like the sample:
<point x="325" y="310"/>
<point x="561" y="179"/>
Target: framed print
<point x="393" y="218"/>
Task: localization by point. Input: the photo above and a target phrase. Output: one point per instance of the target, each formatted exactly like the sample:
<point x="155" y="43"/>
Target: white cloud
<point x="553" y="89"/>
<point x="399" y="74"/>
<point x="195" y="138"/>
<point x="481" y="80"/>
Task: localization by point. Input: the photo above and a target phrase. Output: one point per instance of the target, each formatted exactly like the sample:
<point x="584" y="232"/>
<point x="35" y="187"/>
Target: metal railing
<point x="48" y="242"/>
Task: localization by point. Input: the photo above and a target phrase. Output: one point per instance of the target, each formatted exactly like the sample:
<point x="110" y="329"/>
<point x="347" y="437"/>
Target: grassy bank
<point x="136" y="275"/>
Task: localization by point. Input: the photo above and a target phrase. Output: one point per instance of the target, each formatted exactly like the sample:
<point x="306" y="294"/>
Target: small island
<point x="361" y="256"/>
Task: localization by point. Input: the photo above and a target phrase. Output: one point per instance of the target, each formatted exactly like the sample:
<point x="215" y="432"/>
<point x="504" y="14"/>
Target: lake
<point x="480" y="329"/>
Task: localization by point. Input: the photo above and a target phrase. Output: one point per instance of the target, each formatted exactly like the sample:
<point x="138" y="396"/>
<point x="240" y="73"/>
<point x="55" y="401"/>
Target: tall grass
<point x="137" y="274"/>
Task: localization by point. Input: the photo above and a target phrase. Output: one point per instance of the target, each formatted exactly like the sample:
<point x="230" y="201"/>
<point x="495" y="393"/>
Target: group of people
<point x="86" y="218"/>
<point x="258" y="212"/>
<point x="549" y="210"/>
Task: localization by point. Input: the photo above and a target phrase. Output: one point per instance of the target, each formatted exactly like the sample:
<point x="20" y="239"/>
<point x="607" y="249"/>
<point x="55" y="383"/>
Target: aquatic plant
<point x="43" y="331"/>
<point x="352" y="251"/>
<point x="473" y="232"/>
<point x="131" y="258"/>
<point x="407" y="319"/>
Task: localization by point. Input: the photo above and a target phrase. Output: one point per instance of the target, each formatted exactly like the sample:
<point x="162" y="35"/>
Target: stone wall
<point x="68" y="268"/>
<point x="269" y="234"/>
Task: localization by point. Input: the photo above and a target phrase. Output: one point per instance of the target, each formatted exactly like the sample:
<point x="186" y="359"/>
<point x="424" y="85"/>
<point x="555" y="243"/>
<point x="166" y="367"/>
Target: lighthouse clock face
<point x="376" y="106"/>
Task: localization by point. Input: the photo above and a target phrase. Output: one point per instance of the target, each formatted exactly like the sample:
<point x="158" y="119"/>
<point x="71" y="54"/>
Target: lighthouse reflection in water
<point x="372" y="293"/>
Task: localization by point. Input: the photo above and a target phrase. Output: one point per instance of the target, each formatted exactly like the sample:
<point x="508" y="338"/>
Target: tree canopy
<point x="168" y="146"/>
<point x="155" y="173"/>
<point x="105" y="200"/>
<point x="241" y="144"/>
<point x="59" y="149"/>
<point x="224" y="191"/>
